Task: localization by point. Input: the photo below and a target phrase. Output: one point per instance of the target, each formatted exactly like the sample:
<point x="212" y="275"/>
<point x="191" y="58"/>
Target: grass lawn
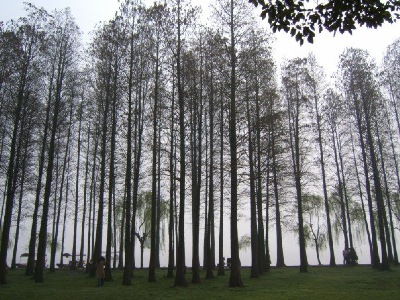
<point x="361" y="282"/>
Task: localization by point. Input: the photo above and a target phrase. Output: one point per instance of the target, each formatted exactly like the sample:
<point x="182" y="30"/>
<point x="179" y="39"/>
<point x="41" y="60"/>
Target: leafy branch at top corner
<point x="301" y="21"/>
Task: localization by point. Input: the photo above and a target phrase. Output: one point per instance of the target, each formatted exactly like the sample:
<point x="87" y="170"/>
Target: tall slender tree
<point x="316" y="71"/>
<point x="297" y="101"/>
<point x="29" y="40"/>
<point x="65" y="46"/>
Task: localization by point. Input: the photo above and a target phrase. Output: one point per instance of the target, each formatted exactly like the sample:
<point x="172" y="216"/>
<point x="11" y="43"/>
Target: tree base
<point x="235" y="279"/>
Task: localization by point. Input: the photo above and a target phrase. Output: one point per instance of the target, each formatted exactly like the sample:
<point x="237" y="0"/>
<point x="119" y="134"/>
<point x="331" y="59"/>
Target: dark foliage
<point x="302" y="19"/>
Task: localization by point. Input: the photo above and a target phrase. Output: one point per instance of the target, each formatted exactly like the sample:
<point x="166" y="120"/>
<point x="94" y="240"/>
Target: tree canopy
<point x="302" y="19"/>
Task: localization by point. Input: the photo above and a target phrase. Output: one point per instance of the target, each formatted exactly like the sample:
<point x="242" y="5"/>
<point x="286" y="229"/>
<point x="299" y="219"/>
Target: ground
<point x="341" y="282"/>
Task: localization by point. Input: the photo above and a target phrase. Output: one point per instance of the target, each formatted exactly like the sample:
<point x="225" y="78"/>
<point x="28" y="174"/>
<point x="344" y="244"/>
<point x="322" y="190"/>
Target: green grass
<point x="361" y="282"/>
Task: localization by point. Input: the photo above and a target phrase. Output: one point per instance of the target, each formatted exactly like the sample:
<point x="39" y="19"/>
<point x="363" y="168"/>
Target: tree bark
<point x="152" y="263"/>
<point x="254" y="273"/>
<point x="180" y="279"/>
<point x="235" y="279"/>
<point x="74" y="262"/>
<point x="332" y="261"/>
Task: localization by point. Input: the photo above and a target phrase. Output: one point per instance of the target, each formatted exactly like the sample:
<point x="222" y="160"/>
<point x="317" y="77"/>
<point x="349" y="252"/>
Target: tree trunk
<point x="395" y="258"/>
<point x="121" y="236"/>
<point x="65" y="215"/>
<point x="40" y="260"/>
<point x="280" y="259"/>
<point x="154" y="221"/>
<point x="180" y="279"/>
<point x="263" y="261"/>
<point x="100" y="211"/>
<point x="221" y="265"/>
<point x="56" y="210"/>
<point x="11" y="177"/>
<point x="375" y="254"/>
<point x="111" y="178"/>
<point x="388" y="200"/>
<point x="21" y="193"/>
<point x="378" y="188"/>
<point x="340" y="189"/>
<point x="172" y="158"/>
<point x="253" y="209"/>
<point x="127" y="275"/>
<point x="82" y="249"/>
<point x="65" y="162"/>
<point x="361" y="196"/>
<point x="332" y="261"/>
<point x="92" y="201"/>
<point x="210" y="225"/>
<point x="294" y="131"/>
<point x="345" y="196"/>
<point x="267" y="201"/>
<point x="235" y="279"/>
<point x="74" y="262"/>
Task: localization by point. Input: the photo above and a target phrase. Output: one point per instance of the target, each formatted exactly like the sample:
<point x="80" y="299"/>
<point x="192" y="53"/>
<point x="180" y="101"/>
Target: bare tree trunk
<point x="332" y="261"/>
<point x="221" y="265"/>
<point x="65" y="213"/>
<point x="92" y="196"/>
<point x="395" y="255"/>
<point x="127" y="275"/>
<point x="100" y="211"/>
<point x="378" y="191"/>
<point x="340" y="189"/>
<point x="294" y="132"/>
<point x="280" y="259"/>
<point x="180" y="279"/>
<point x="56" y="210"/>
<point x="235" y="279"/>
<point x="82" y="249"/>
<point x="121" y="236"/>
<point x="196" y="138"/>
<point x="56" y="223"/>
<point x="11" y="178"/>
<point x="172" y="158"/>
<point x="111" y="178"/>
<point x="55" y="236"/>
<point x="375" y="255"/>
<point x="158" y="219"/>
<point x="210" y="225"/>
<point x="253" y="209"/>
<point x="21" y="193"/>
<point x="74" y="262"/>
<point x="40" y="260"/>
<point x="345" y="196"/>
<point x="263" y="261"/>
<point x="152" y="263"/>
<point x="388" y="200"/>
<point x="361" y="196"/>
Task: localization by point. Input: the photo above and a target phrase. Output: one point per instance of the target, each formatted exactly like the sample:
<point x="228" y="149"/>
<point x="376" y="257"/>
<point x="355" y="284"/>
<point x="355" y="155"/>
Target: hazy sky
<point x="326" y="47"/>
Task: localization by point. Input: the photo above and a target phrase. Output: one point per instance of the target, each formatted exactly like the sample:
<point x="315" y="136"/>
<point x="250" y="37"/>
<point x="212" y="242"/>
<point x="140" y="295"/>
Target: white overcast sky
<point x="326" y="47"/>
